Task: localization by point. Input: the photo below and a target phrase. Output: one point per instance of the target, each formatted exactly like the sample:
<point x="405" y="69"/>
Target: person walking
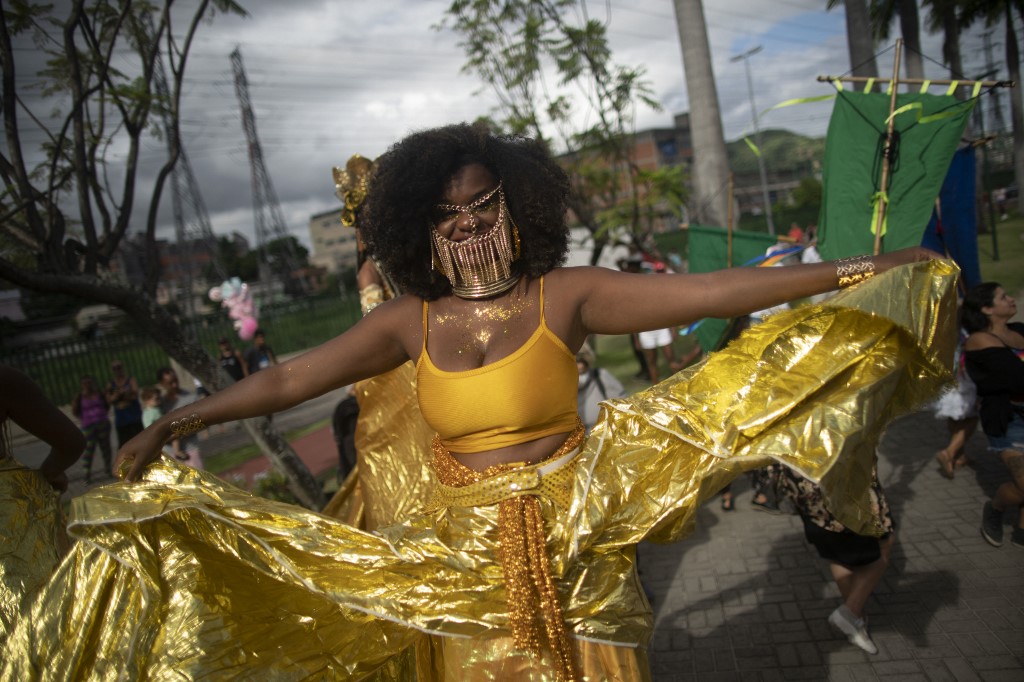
<point x="995" y="361"/>
<point x="92" y="410"/>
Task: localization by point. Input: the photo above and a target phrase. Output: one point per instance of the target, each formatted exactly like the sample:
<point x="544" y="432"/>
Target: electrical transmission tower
<point x="270" y="224"/>
<point x="191" y="220"/>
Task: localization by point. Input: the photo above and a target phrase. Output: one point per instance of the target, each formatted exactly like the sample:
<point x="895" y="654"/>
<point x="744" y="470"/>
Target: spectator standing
<point x="174" y="397"/>
<point x="595" y="384"/>
<point x="231" y="360"/>
<point x="92" y="410"/>
<point x="123" y="396"/>
<point x="260" y="356"/>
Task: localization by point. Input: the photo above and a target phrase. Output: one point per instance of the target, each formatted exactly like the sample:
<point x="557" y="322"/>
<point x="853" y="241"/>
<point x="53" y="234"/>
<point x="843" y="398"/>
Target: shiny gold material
<point x="32" y="530"/>
<point x="182" y="576"/>
<point x="534" y="612"/>
<point x="481" y="266"/>
<point x="187" y="425"/>
<point x="351" y="185"/>
<point x="370" y="296"/>
<point x="853" y="270"/>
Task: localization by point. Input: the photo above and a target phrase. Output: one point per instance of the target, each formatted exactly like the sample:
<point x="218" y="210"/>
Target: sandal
<point x="727" y="504"/>
<point x="945" y="464"/>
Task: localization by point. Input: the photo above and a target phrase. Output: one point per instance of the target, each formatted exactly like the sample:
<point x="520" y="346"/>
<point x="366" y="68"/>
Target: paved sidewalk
<point x="745" y="598"/>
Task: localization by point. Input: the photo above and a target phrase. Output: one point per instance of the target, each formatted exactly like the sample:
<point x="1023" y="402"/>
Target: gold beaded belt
<point x="535" y="614"/>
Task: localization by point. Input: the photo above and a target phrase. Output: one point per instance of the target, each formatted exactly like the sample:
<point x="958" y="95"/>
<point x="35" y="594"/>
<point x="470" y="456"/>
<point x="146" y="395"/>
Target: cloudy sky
<point x="329" y="78"/>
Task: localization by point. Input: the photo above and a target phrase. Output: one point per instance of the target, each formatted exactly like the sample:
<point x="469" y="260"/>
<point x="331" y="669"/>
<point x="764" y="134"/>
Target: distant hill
<point x="783" y="150"/>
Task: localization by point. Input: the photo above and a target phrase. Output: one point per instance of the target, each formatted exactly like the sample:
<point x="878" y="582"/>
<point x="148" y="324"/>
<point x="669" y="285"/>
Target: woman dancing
<point x="522" y="565"/>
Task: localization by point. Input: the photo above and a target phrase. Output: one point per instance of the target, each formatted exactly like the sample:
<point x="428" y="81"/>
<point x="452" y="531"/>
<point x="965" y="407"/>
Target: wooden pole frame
<point x="894" y="83"/>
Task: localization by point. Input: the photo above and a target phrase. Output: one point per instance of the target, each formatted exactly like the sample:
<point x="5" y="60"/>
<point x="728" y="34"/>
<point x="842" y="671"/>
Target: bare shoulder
<point x="981" y="341"/>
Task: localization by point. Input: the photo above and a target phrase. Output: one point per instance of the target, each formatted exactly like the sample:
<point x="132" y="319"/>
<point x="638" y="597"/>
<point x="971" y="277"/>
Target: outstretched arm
<point x="372" y="346"/>
<point x="26" y="405"/>
<point x="620" y="303"/>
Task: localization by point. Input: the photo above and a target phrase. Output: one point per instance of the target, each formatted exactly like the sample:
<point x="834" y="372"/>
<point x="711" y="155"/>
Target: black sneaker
<point x="992" y="525"/>
<point x="1017" y="537"/>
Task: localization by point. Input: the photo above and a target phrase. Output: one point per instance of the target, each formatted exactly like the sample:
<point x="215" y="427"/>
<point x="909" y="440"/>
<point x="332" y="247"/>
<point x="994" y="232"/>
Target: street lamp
<point x="745" y="58"/>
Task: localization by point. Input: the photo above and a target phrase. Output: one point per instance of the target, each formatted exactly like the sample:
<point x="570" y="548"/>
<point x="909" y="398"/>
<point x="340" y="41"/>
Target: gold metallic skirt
<point x="32" y="537"/>
<point x="181" y="576"/>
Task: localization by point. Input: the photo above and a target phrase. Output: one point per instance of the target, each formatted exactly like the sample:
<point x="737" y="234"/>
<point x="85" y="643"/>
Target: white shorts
<point x="655" y="339"/>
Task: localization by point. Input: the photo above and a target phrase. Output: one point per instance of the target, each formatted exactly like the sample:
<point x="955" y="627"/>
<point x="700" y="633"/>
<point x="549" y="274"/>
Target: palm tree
<point x="942" y="17"/>
<point x="990" y="11"/>
<point x="859" y="39"/>
<point x="710" y="160"/>
<point x="882" y="13"/>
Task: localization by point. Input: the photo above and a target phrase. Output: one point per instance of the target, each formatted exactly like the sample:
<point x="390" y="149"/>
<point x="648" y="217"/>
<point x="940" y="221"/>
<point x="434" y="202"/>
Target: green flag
<point x="708" y="250"/>
<point x="927" y="131"/>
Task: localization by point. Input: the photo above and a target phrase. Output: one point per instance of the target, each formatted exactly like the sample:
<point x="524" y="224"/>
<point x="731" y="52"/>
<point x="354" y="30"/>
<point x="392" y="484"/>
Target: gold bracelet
<point x="853" y="270"/>
<point x="186" y="425"/>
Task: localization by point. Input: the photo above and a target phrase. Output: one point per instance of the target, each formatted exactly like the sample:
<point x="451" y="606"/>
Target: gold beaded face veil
<point x="480" y="266"/>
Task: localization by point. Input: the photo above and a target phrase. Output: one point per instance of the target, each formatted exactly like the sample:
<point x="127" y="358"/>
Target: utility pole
<point x="191" y="220"/>
<point x="745" y="58"/>
<point x="270" y="225"/>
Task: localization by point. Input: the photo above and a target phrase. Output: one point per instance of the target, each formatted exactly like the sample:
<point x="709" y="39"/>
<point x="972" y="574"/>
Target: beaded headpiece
<point x="480" y="266"/>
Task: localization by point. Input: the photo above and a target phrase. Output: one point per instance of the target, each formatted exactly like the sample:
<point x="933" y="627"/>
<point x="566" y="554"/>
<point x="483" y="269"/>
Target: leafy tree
<point x="66" y="207"/>
<point x="511" y="45"/>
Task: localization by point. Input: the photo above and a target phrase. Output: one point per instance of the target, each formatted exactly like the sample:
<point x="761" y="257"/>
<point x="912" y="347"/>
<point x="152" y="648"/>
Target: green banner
<point x="928" y="130"/>
<point x="708" y="250"/>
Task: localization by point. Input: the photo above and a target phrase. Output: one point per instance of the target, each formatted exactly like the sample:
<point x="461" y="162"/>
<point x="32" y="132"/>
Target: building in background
<point x="334" y="245"/>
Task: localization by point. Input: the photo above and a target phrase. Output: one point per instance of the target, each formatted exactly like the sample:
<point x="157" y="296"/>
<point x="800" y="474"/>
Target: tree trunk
<point x="710" y="161"/>
<point x="910" y="29"/>
<point x="858" y="39"/>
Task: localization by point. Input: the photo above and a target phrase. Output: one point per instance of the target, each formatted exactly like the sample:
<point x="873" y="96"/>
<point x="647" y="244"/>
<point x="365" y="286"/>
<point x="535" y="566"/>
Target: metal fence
<point x="58" y="366"/>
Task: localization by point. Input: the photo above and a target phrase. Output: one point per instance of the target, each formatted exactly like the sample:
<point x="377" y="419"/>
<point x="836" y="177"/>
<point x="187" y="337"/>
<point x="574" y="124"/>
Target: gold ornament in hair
<point x="351" y="185"/>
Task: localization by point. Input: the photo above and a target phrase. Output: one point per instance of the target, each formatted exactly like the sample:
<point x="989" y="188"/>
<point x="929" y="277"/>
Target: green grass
<point x="229" y="459"/>
<point x="1009" y="269"/>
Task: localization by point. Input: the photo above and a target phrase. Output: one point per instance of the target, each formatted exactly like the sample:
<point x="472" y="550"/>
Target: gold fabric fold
<point x="182" y="576"/>
<point x="32" y="537"/>
<point x="392" y="479"/>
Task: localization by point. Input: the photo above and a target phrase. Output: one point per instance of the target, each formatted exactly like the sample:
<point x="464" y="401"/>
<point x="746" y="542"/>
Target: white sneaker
<point x="855" y="630"/>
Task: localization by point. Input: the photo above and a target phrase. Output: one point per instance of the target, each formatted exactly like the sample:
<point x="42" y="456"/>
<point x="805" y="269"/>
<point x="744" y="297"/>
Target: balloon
<point x="247" y="328"/>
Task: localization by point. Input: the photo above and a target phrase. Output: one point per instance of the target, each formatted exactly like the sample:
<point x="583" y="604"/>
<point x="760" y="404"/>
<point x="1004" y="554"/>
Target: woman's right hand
<point x="140" y="452"/>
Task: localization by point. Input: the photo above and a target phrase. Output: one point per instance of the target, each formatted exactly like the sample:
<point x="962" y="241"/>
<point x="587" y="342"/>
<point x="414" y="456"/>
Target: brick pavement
<point x="745" y="598"/>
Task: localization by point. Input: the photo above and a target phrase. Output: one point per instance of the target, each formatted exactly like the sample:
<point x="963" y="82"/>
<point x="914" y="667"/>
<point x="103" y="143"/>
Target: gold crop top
<point x="524" y="396"/>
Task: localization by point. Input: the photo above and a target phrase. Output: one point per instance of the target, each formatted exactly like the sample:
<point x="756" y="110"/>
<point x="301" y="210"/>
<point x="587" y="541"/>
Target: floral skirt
<point x="181" y="576"/>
